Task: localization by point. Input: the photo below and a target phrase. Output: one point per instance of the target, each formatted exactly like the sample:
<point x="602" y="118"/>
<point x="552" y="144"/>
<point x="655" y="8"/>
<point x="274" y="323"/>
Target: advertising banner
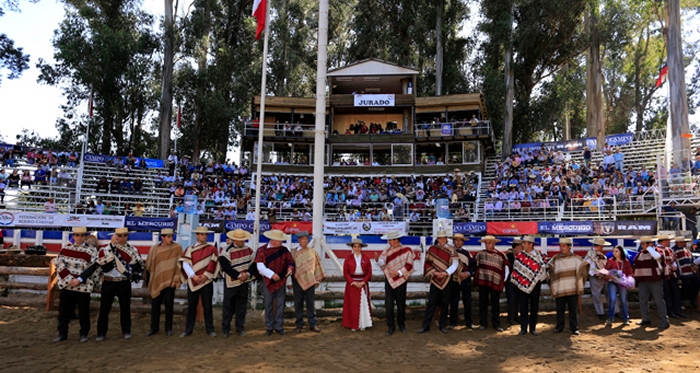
<point x="38" y="219"/>
<point x="368" y="227"/>
<point x="150" y="224"/>
<point x="511" y="228"/>
<point x="468" y="228"/>
<point x="246" y="225"/>
<point x="626" y="228"/>
<point x="565" y="227"/>
<point x="294" y="227"/>
<point x="216" y="225"/>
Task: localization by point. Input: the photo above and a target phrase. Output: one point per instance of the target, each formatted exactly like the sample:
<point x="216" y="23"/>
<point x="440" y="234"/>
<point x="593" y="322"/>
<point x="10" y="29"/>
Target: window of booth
<point x="381" y="155"/>
<point x="275" y="153"/>
<point x="302" y="154"/>
<point x="402" y="154"/>
<point x="455" y="153"/>
<point x="312" y="155"/>
<point x="351" y="155"/>
<point x="472" y="152"/>
<point x="430" y="154"/>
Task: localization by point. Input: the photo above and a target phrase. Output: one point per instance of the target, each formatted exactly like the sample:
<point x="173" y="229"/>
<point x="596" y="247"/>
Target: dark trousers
<point x="672" y="297"/>
<point x="122" y="290"/>
<point x="512" y="302"/>
<point x="304" y="296"/>
<point x="465" y="290"/>
<point x="437" y="297"/>
<point x="67" y="300"/>
<point x="484" y="295"/>
<point x="235" y="303"/>
<point x="571" y="302"/>
<point x="167" y="298"/>
<point x="690" y="288"/>
<point x="529" y="306"/>
<point x="397" y="296"/>
<point x="206" y="293"/>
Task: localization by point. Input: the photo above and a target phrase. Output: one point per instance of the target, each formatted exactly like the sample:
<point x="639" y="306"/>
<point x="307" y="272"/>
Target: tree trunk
<point x="594" y="86"/>
<point x="439" y="52"/>
<point x="201" y="85"/>
<point x="676" y="79"/>
<point x="166" y="96"/>
<point x="510" y="91"/>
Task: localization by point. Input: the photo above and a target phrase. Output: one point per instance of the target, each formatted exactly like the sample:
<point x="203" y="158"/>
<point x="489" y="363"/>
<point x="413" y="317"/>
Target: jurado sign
<point x="375" y="100"/>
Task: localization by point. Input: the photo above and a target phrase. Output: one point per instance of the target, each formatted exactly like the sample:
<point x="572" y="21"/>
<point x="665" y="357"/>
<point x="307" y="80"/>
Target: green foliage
<point x="105" y="46"/>
<point x="12" y="58"/>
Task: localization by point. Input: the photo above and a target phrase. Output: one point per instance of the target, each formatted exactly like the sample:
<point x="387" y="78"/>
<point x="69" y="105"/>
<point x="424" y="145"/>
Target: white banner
<point x="367" y="227"/>
<point x="37" y="219"/>
<point x="443" y="225"/>
<point x="375" y="100"/>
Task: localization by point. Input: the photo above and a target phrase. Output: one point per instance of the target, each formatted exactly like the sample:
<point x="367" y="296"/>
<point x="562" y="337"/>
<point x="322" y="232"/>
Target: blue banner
<point x="246" y="225"/>
<point x="565" y="227"/>
<point x="576" y="145"/>
<point x="447" y="129"/>
<point x="150" y="224"/>
<point x="101" y="158"/>
<point x="469" y="227"/>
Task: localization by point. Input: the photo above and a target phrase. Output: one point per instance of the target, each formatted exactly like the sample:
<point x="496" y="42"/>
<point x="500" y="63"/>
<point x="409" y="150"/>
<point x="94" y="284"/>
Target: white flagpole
<point x="261" y="128"/>
<point x="319" y="134"/>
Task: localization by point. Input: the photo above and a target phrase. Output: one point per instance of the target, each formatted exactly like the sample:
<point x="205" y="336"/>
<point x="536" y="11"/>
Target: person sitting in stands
<point x="40" y="176"/>
<point x="127" y="186"/>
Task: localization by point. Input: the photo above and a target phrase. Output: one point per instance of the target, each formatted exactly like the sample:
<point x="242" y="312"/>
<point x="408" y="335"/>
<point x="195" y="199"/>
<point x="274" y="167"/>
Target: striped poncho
<point x="203" y="259"/>
<point x="491" y="269"/>
<point x="529" y="269"/>
<point x="567" y="273"/>
<point x="309" y="271"/>
<point x="233" y="261"/>
<point x="685" y="262"/>
<point x="71" y="262"/>
<point x="161" y="264"/>
<point x="278" y="260"/>
<point x="397" y="259"/>
<point x="438" y="259"/>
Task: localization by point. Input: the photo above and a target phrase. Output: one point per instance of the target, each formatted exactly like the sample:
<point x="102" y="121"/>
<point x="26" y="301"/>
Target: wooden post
<point x="50" y="287"/>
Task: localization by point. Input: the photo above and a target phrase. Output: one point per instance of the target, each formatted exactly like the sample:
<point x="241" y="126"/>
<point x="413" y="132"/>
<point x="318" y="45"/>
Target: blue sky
<point x="24" y="102"/>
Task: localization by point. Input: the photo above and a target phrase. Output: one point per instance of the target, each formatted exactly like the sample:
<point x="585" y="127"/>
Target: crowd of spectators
<point x="36" y="167"/>
<point x="542" y="178"/>
<point x="370" y="198"/>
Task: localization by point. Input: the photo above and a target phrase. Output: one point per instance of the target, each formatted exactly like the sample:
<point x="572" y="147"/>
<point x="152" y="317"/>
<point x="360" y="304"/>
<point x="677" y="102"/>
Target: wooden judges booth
<point x="375" y="123"/>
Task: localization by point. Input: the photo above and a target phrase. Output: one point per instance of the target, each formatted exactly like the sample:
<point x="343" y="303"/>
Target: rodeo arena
<point x="374" y="217"/>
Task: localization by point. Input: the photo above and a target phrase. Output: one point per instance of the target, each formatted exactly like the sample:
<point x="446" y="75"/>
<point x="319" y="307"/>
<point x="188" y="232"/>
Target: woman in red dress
<point x="357" y="271"/>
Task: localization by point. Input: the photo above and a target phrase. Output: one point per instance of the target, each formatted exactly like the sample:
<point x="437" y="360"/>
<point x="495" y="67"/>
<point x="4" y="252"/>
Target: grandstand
<point x="391" y="162"/>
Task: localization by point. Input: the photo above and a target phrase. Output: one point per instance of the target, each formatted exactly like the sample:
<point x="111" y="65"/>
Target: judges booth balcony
<point x="453" y="130"/>
<point x="278" y="131"/>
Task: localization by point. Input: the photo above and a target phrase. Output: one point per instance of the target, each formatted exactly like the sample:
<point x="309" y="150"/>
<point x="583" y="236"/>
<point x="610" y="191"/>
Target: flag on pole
<point x="259" y="10"/>
<point x="662" y="76"/>
<point x="179" y="115"/>
<point x="90" y="104"/>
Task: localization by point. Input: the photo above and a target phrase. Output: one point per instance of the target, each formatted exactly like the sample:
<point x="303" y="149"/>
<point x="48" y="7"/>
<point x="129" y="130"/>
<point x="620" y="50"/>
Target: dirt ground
<point x="25" y="335"/>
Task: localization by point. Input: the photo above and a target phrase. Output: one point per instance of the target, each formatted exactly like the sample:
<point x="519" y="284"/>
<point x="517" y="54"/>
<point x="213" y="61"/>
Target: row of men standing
<point x="80" y="266"/>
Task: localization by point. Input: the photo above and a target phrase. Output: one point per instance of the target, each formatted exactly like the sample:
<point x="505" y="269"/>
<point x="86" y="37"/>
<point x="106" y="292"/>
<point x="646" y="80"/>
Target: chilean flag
<point x="259" y="11"/>
<point x="179" y="116"/>
<point x="662" y="76"/>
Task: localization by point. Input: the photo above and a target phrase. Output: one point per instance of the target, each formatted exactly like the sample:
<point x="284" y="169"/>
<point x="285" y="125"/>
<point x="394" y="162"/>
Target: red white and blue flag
<point x="662" y="76"/>
<point x="259" y="11"/>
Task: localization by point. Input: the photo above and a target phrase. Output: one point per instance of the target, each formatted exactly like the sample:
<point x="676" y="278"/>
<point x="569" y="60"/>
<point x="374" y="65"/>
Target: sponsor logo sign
<point x="470" y="228"/>
<point x="511" y="228"/>
<point x="369" y="227"/>
<point x="565" y="227"/>
<point x="626" y="228"/>
<point x="34" y="219"/>
<point x="150" y="224"/>
<point x="246" y="225"/>
<point x="294" y="227"/>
